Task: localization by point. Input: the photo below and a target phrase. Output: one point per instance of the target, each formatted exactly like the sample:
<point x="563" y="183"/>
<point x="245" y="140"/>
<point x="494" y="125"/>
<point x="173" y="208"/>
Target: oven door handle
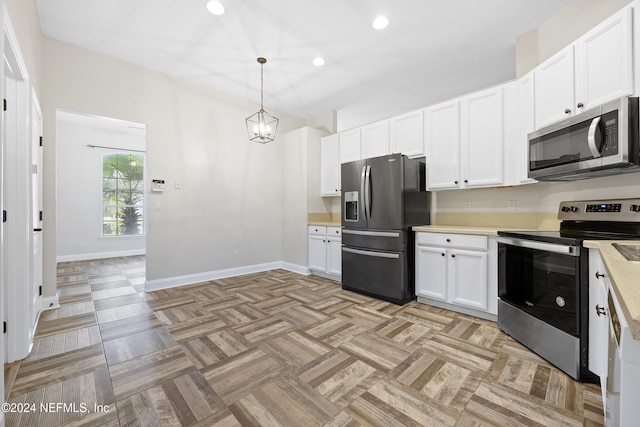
<point x="541" y="246"/>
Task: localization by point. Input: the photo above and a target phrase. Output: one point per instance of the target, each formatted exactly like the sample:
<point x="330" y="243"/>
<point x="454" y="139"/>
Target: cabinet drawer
<point x="452" y="240"/>
<point x="318" y="230"/>
<point x="334" y="231"/>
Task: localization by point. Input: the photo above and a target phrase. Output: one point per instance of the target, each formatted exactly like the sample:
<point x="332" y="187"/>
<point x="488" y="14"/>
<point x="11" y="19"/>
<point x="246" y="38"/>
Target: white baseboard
<point x="50" y="303"/>
<point x="190" y="279"/>
<point x="99" y="255"/>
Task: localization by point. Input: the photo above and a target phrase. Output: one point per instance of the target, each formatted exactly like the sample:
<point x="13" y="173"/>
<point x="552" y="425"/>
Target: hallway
<point x="274" y="348"/>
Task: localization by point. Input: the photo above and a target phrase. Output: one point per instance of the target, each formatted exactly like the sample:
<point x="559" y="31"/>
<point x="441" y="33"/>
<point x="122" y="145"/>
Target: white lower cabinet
<point x="325" y="251"/>
<point x="458" y="272"/>
<point x="598" y="318"/>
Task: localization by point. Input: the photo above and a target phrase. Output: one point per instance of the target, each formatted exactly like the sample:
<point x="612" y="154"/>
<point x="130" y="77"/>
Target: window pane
<point x="122" y="194"/>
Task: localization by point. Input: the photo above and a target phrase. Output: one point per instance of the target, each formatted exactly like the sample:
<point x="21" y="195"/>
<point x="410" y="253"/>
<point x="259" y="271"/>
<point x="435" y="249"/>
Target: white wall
<point x="230" y="195"/>
<point x="79" y="186"/>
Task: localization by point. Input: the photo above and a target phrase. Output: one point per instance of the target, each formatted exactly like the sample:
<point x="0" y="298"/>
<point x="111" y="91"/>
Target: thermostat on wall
<point x="157" y="185"/>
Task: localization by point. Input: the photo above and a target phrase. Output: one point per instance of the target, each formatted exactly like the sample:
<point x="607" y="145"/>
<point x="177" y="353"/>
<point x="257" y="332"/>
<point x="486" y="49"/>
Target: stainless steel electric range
<point x="543" y="280"/>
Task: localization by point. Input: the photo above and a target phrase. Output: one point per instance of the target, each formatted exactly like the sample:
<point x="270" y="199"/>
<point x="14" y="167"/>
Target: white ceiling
<point x="431" y="51"/>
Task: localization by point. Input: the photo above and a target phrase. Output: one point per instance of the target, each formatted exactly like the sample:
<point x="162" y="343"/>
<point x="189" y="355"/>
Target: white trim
<point x="100" y="255"/>
<point x="49" y="303"/>
<point x="190" y="279"/>
<point x="326" y="275"/>
<point x="300" y="269"/>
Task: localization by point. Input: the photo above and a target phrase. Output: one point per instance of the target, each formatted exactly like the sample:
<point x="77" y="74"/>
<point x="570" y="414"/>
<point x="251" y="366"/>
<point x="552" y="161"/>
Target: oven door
<point x="542" y="280"/>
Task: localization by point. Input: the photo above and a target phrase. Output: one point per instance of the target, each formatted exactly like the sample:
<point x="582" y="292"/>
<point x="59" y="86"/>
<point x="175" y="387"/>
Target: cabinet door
<point x="604" y="69"/>
<point x="431" y="272"/>
<point x="442" y="126"/>
<point x="554" y="92"/>
<point x="329" y="166"/>
<point x="526" y="125"/>
<point x="407" y="134"/>
<point x="482" y="138"/>
<point x="318" y="252"/>
<point x="468" y="278"/>
<point x="349" y="142"/>
<point x="375" y="140"/>
<point x="598" y="321"/>
<point x="334" y="256"/>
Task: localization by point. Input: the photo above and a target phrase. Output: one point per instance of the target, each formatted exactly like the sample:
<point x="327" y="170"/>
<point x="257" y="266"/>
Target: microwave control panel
<point x="610" y="134"/>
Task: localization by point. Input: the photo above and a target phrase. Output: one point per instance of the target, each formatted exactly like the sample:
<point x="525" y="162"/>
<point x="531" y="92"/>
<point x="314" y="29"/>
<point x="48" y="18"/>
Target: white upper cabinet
<point x="604" y="66"/>
<point x="375" y="139"/>
<point x="597" y="68"/>
<point x="518" y="106"/>
<point x="465" y="141"/>
<point x="349" y="143"/>
<point x="526" y="125"/>
<point x="481" y="138"/>
<point x="442" y="127"/>
<point x="554" y="88"/>
<point x="329" y="166"/>
<point x="407" y="134"/>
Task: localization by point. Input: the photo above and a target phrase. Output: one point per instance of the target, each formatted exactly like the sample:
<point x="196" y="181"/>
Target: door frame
<point x="17" y="199"/>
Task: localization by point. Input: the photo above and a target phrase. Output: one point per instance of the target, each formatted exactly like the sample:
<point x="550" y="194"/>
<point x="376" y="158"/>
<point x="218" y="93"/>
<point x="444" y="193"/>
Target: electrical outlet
<point x="511" y="205"/>
<point x="236" y="254"/>
<point x="177" y="184"/>
<point x="467" y="206"/>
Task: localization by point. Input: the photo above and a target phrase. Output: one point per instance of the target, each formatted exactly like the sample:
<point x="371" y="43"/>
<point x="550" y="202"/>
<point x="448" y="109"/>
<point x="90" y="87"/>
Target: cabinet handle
<point x="580" y="105"/>
<point x="442" y="254"/>
<point x="448" y="240"/>
<point x="567" y="111"/>
<point x="455" y="182"/>
<point x="466" y="180"/>
<point x="600" y="311"/>
<point x="598" y="275"/>
<point x="453" y="255"/>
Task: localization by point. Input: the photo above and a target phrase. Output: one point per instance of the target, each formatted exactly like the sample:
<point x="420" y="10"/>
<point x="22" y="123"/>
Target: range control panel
<point x="600" y="210"/>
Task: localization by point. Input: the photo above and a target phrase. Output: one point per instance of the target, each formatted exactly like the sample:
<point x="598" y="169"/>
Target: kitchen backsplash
<point x="542" y="221"/>
<point x="334" y="217"/>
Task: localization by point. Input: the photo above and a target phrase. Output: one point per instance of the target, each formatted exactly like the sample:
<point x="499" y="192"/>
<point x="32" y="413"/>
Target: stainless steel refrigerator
<point x="382" y="198"/>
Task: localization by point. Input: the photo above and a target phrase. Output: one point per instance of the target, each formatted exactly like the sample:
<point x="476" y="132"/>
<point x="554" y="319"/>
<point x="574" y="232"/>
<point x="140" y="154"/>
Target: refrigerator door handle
<point x="367" y="192"/>
<point x="371" y="253"/>
<point x="362" y="193"/>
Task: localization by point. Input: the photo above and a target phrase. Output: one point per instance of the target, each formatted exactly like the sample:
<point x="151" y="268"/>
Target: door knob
<point x="580" y="105"/>
<point x="567" y="111"/>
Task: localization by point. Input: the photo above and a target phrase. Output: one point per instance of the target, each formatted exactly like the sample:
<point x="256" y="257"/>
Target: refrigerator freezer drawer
<point x="378" y="240"/>
<point x="380" y="274"/>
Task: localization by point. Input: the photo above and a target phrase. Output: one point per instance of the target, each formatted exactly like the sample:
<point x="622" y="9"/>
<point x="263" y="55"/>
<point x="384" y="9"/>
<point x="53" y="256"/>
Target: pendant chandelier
<point x="262" y="126"/>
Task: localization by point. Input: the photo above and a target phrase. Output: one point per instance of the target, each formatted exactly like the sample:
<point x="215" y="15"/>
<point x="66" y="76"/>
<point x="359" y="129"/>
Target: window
<point x="122" y="194"/>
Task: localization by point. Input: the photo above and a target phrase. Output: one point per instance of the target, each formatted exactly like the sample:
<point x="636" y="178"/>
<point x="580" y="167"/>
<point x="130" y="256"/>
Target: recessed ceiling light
<point x="380" y="22"/>
<point x="215" y="7"/>
<point x="318" y="62"/>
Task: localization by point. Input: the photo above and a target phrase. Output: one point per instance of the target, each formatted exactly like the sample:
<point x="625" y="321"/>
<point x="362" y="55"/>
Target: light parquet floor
<point x="275" y="349"/>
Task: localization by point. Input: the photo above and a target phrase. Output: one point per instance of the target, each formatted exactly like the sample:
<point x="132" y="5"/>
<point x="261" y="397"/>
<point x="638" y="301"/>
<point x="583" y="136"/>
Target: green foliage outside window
<point x="122" y="194"/>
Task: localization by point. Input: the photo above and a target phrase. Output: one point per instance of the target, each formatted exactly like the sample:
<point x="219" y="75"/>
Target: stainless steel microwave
<point x="599" y="142"/>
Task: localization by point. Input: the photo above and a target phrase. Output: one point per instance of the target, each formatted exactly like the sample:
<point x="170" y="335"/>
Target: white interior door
<point x="36" y="208"/>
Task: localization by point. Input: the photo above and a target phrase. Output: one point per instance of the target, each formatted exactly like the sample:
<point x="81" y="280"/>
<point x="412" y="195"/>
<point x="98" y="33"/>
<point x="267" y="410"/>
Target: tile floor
<point x="275" y="349"/>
